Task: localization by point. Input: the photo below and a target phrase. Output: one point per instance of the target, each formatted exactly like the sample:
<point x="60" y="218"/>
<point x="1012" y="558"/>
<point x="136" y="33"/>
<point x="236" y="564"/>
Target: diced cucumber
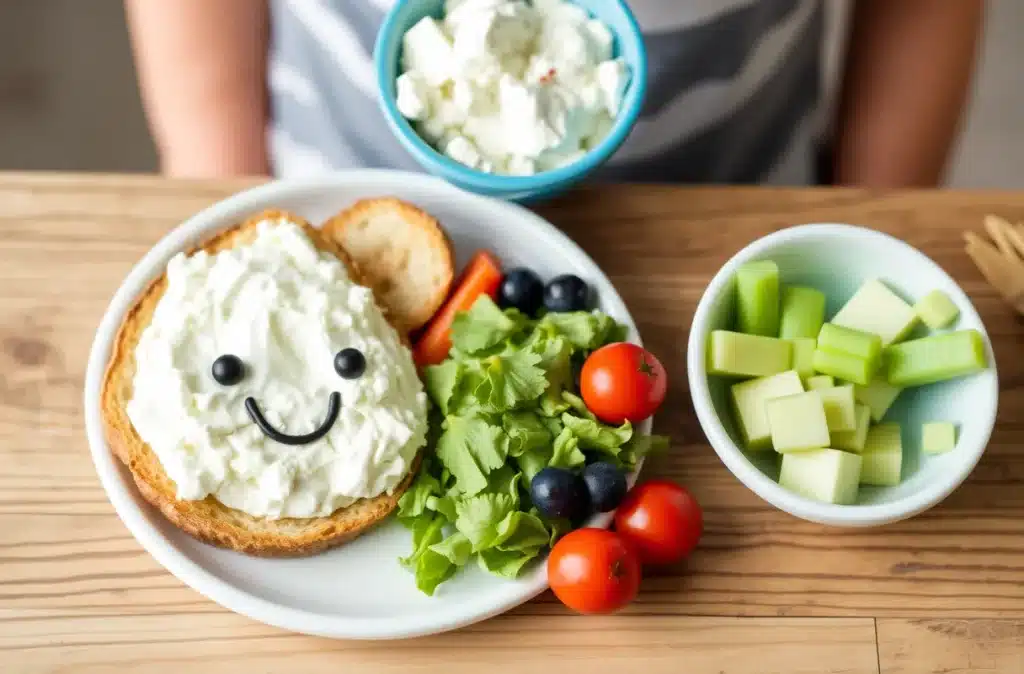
<point x="801" y="312"/>
<point x="797" y="422"/>
<point x="853" y="441"/>
<point x="936" y="310"/>
<point x="864" y="345"/>
<point x="827" y="475"/>
<point x="737" y="355"/>
<point x="935" y="358"/>
<point x="876" y="309"/>
<point x="840" y="408"/>
<point x="843" y="366"/>
<point x="883" y="456"/>
<point x="819" y="382"/>
<point x="748" y="400"/>
<point x="803" y="356"/>
<point x="878" y="396"/>
<point x="938" y="437"/>
<point x="757" y="298"/>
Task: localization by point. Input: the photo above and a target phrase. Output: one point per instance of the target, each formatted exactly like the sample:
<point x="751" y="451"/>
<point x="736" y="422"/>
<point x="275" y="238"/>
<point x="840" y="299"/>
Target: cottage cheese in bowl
<point x="511" y="87"/>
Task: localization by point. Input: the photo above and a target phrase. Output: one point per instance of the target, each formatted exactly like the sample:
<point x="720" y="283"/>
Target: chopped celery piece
<point x="801" y="312"/>
<point x="883" y="456"/>
<point x="936" y="358"/>
<point x="936" y="310"/>
<point x="803" y="356"/>
<point x="797" y="422"/>
<point x="749" y="398"/>
<point x="840" y="408"/>
<point x="876" y="309"/>
<point x="827" y="475"/>
<point x="938" y="437"/>
<point x="757" y="298"/>
<point x="819" y="382"/>
<point x="843" y="366"/>
<point x="853" y="441"/>
<point x="878" y="396"/>
<point x="864" y="345"/>
<point x="737" y="355"/>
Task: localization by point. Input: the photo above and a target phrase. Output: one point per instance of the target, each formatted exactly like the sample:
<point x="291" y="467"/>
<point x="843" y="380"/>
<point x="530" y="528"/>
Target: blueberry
<point x="228" y="370"/>
<point x="606" y="485"/>
<point x="523" y="290"/>
<point x="566" y="293"/>
<point x="559" y="493"/>
<point x="350" y="363"/>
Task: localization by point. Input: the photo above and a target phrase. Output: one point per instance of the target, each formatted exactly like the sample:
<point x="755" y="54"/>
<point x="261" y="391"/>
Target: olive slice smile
<point x="333" y="408"/>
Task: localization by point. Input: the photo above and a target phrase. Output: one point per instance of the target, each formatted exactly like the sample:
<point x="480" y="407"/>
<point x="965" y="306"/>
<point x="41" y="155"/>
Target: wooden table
<point x="766" y="592"/>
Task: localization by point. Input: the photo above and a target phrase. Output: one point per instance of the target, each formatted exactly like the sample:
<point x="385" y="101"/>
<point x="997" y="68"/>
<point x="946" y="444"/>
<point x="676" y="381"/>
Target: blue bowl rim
<point x="489" y="182"/>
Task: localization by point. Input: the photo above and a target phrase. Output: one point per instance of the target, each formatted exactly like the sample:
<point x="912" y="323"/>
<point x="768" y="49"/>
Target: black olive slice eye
<point x="228" y="370"/>
<point x="350" y="363"/>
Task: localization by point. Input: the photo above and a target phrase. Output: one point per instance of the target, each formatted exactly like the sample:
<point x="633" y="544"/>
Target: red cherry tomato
<point x="623" y="382"/>
<point x="593" y="571"/>
<point x="661" y="520"/>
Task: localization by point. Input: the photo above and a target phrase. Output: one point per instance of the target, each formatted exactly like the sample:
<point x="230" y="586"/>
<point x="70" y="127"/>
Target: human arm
<point x="907" y="77"/>
<point x="201" y="67"/>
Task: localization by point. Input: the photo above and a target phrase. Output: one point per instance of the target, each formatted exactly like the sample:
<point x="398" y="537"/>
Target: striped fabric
<point x="734" y="91"/>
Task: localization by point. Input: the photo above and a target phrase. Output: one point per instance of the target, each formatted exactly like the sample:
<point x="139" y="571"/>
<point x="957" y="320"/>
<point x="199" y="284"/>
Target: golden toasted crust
<point x="209" y="520"/>
<point x="402" y="253"/>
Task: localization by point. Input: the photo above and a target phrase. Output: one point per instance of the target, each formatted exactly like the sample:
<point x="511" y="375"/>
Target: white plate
<point x="358" y="590"/>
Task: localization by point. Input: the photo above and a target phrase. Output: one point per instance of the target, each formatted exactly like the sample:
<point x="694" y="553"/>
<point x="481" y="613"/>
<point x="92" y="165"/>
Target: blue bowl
<point x="629" y="45"/>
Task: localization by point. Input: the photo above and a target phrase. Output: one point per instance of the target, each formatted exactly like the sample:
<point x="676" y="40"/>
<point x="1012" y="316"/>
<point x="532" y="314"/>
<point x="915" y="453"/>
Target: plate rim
<point x="120" y="491"/>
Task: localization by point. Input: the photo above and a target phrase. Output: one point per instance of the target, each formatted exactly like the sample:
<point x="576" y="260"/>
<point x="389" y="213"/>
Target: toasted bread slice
<point x="208" y="519"/>
<point x="402" y="253"/>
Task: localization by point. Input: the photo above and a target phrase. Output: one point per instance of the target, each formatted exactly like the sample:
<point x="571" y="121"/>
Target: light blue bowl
<point x="836" y="259"/>
<point x="628" y="44"/>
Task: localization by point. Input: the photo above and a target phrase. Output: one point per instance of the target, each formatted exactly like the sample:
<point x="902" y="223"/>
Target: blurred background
<point x="68" y="98"/>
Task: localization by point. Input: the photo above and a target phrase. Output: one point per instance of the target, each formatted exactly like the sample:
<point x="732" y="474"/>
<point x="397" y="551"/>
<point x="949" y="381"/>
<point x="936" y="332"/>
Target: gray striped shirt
<point x="734" y="91"/>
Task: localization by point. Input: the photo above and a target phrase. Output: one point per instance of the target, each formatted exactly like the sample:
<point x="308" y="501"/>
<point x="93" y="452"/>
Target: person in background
<point x="735" y="89"/>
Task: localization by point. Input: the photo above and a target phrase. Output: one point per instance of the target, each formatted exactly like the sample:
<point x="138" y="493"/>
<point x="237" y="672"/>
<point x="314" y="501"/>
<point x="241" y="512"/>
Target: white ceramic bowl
<point x="356" y="591"/>
<point x="837" y="259"/>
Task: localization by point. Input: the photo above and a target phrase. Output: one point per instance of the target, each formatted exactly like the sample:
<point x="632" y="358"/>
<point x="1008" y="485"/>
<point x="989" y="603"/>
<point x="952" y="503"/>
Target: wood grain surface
<point x="765" y="592"/>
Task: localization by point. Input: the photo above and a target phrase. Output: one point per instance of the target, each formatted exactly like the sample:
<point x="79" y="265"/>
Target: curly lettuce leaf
<point x="484" y="326"/>
<point x="597" y="436"/>
<point x="470" y="448"/>
<point x="506" y="563"/>
<point x="510" y="380"/>
<point x="478" y="517"/>
<point x="525" y="431"/>
<point x="429" y="567"/>
<point x="585" y="330"/>
<point x="566" y="451"/>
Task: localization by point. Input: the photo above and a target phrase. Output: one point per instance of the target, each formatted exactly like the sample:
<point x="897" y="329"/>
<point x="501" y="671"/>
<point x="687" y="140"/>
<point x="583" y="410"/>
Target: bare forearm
<point x="907" y="78"/>
<point x="201" y="66"/>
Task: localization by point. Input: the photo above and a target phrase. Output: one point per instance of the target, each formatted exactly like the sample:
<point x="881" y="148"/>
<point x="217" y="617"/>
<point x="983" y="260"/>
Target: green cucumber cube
<point x="827" y="475"/>
<point x="936" y="358"/>
<point x="878" y="396"/>
<point x="803" y="356"/>
<point x="844" y="366"/>
<point x="853" y="342"/>
<point x="840" y="408"/>
<point x="801" y="312"/>
<point x="748" y="401"/>
<point x="735" y="354"/>
<point x="883" y="456"/>
<point x="937" y="310"/>
<point x="757" y="298"/>
<point x="797" y="422"/>
<point x="853" y="441"/>
<point x="819" y="382"/>
<point x="876" y="309"/>
<point x="938" y="437"/>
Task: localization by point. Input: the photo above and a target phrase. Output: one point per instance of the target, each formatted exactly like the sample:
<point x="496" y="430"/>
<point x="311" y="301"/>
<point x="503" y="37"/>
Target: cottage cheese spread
<point x="509" y="86"/>
<point x="285" y="308"/>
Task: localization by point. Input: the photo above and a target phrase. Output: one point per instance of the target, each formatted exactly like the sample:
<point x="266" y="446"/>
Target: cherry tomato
<point x="623" y="382"/>
<point x="593" y="571"/>
<point x="661" y="520"/>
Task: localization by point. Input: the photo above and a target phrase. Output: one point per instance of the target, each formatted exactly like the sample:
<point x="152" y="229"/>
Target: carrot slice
<point x="482" y="276"/>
